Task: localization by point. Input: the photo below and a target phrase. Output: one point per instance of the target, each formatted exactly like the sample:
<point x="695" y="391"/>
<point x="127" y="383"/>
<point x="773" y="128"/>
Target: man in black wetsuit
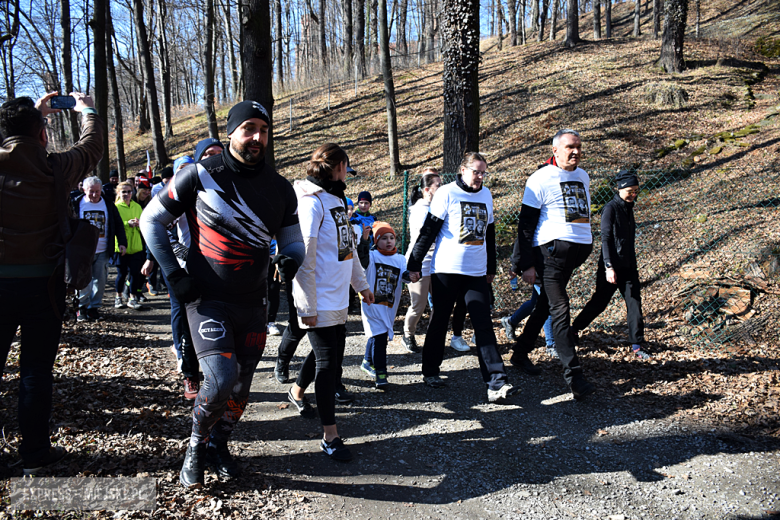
<point x="234" y="204"/>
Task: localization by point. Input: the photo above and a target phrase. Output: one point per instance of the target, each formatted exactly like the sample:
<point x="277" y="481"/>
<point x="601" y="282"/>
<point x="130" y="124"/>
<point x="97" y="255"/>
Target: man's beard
<point x="243" y="151"/>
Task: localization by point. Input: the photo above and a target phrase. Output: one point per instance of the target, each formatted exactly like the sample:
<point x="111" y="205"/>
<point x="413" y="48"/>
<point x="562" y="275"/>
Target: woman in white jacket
<point x="321" y="286"/>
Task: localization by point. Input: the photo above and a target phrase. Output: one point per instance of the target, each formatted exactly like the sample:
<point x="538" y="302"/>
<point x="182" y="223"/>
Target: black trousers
<point x="323" y="366"/>
<point x="628" y="283"/>
<point x="274" y="290"/>
<point x="555" y="262"/>
<point x="446" y="290"/>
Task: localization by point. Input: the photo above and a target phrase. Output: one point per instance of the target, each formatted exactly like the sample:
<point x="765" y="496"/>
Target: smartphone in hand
<point x="63" y="102"/>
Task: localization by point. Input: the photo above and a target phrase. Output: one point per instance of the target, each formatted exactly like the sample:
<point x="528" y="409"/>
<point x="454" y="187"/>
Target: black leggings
<point x="222" y="397"/>
<point x="130" y="265"/>
<point x="446" y="290"/>
<point x="323" y="366"/>
<point x="459" y="317"/>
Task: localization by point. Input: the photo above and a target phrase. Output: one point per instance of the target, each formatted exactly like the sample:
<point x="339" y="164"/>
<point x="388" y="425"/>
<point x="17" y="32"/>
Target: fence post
<point x="290" y="115"/>
<point x="405" y="212"/>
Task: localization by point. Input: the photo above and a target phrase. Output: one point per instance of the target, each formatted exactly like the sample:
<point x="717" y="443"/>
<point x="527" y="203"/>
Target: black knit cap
<point x="625" y="179"/>
<point x="243" y="111"/>
<point x="166" y="173"/>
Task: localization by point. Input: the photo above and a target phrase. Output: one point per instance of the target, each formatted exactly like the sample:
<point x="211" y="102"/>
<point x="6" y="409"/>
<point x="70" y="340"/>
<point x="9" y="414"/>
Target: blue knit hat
<point x="205" y="144"/>
<point x="350" y="203"/>
<point x="181" y="161"/>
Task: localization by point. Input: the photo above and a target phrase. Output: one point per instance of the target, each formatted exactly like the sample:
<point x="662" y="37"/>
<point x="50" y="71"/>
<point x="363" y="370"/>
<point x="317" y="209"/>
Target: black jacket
<point x="618" y="230"/>
<point x="115" y="228"/>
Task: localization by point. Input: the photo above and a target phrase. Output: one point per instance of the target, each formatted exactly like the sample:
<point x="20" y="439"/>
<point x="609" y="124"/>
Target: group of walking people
<point x="210" y="228"/>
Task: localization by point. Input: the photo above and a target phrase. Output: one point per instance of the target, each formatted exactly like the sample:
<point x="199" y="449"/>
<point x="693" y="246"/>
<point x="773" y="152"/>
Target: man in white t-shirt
<point x="103" y="215"/>
<point x="554" y="239"/>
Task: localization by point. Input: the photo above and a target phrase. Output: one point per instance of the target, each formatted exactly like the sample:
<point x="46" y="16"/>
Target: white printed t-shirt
<point x="384" y="279"/>
<point x="417" y="215"/>
<point x="460" y="245"/>
<point x="97" y="214"/>
<point x="324" y="216"/>
<point x="564" y="200"/>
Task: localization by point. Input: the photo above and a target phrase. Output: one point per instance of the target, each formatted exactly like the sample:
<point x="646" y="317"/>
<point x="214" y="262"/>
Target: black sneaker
<point x="81" y="315"/>
<point x="191" y="475"/>
<point x="282" y="371"/>
<point x="581" y="388"/>
<point x="94" y="314"/>
<point x="221" y="462"/>
<point x="55" y="454"/>
<point x="142" y="298"/>
<point x="522" y="362"/>
<point x="410" y="344"/>
<point x="336" y="450"/>
<point x="303" y="406"/>
<point x="344" y="397"/>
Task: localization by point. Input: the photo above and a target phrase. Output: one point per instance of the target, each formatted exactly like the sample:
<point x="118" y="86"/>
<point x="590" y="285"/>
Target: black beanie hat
<point x="625" y="179"/>
<point x="166" y="173"/>
<point x="243" y="111"/>
<point x="364" y="195"/>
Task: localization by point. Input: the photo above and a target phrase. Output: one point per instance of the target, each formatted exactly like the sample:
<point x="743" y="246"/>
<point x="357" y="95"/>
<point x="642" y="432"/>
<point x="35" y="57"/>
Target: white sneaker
<point x="273" y="330"/>
<point x="495" y="396"/>
<point x="459" y="344"/>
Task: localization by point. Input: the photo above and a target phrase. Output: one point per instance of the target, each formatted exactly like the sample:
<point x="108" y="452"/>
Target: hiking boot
<point x="459" y="344"/>
<point x="81" y="315"/>
<point x="303" y="406"/>
<point x="118" y="303"/>
<point x="381" y="381"/>
<point x="410" y="344"/>
<point x="191" y="475"/>
<point x="368" y="368"/>
<point x="191" y="388"/>
<point x="54" y="455"/>
<point x="273" y="329"/>
<point x="221" y="462"/>
<point x="496" y="396"/>
<point x="434" y="381"/>
<point x="344" y="397"/>
<point x="336" y="450"/>
<point x="282" y="370"/>
<point x="581" y="387"/>
<point x="94" y="314"/>
<point x="134" y="304"/>
<point x="509" y="329"/>
<point x="522" y="362"/>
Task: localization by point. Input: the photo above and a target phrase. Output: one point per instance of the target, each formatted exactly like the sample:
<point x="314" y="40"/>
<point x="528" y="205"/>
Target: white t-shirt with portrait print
<point x="384" y="279"/>
<point x="97" y="214"/>
<point x="324" y="216"/>
<point x="564" y="200"/>
<point x="460" y="246"/>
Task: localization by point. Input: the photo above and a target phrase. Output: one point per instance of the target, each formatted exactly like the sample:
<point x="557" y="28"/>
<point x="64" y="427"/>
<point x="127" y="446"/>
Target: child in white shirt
<point x="385" y="273"/>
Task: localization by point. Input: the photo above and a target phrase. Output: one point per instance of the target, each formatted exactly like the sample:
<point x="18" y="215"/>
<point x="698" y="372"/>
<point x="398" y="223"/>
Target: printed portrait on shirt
<point x="97" y="219"/>
<point x="575" y="202"/>
<point x="385" y="284"/>
<point x="343" y="233"/>
<point x="473" y="223"/>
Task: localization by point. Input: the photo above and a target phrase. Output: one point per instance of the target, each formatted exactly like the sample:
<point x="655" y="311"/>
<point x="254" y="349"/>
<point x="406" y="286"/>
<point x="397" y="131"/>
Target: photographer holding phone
<point x="32" y="285"/>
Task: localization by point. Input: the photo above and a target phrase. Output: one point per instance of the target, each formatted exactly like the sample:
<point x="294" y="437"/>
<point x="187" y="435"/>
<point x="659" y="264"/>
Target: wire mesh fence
<point x="708" y="248"/>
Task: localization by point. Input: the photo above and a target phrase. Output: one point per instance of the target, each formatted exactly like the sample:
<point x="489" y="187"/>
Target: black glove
<point x="184" y="286"/>
<point x="287" y="267"/>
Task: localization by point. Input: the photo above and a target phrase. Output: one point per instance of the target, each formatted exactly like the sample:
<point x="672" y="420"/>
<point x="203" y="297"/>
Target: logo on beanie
<point x="211" y="330"/>
<point x="260" y="107"/>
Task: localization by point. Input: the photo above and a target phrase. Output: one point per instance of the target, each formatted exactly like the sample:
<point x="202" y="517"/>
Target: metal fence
<point x="708" y="247"/>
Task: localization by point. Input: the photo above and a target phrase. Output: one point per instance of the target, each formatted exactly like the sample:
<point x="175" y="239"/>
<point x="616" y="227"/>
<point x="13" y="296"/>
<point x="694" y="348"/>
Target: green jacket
<point x="134" y="242"/>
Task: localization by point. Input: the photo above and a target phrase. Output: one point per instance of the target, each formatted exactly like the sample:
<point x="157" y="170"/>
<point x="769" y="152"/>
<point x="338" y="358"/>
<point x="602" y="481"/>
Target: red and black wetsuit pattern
<point x="232" y="218"/>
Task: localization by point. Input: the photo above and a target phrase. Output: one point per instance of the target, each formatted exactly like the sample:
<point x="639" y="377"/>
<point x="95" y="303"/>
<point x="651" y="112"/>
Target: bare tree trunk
<point x="534" y="15"/>
<point x="542" y="19"/>
<point x="323" y="45"/>
<point x="161" y="156"/>
<point x="656" y="18"/>
<point x="98" y="25"/>
<point x="500" y="24"/>
<point x="608" y="18"/>
<point x="637" y="18"/>
<point x="348" y="53"/>
<point x="67" y="66"/>
<point x="597" y="19"/>
<point x="522" y="21"/>
<point x="554" y="19"/>
<point x="280" y="43"/>
<point x="360" y="36"/>
<point x="119" y="131"/>
<point x="164" y="64"/>
<point x="231" y="49"/>
<point x="403" y="47"/>
<point x="461" y="81"/>
<point x="572" y="25"/>
<point x="387" y="74"/>
<point x="432" y="24"/>
<point x="675" y="19"/>
<point x="374" y="42"/>
<point x="511" y="8"/>
<point x="208" y="71"/>
<point x="257" y="63"/>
